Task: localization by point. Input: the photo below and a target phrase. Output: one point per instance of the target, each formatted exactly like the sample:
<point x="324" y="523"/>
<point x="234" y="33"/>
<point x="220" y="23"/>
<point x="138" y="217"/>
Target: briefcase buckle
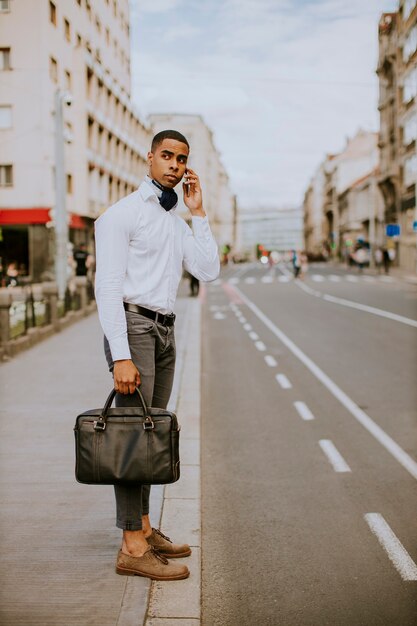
<point x="148" y="424"/>
<point x="99" y="425"/>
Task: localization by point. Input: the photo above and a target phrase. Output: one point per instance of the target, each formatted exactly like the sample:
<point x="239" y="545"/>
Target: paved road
<point x="309" y="459"/>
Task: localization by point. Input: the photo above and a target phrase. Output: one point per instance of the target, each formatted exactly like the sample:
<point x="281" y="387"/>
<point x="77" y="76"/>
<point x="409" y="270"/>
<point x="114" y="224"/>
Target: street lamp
<point x="60" y="213"/>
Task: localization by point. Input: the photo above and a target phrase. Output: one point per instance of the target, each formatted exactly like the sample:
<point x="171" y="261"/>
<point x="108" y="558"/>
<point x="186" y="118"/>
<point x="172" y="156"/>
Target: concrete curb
<point x="177" y="506"/>
<point x="181" y="513"/>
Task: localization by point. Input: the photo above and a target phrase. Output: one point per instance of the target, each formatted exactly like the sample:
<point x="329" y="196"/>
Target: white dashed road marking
<point x="250" y="280"/>
<point x="363" y="418"/>
<point x="267" y="279"/>
<point x="303" y="411"/>
<point x="269" y="360"/>
<point x="253" y="335"/>
<point x="396" y="552"/>
<point x="334" y="278"/>
<point x="283" y="381"/>
<point x="318" y="278"/>
<point x="334" y="456"/>
<point x="260" y="345"/>
<point x="247" y="326"/>
<point x="219" y="316"/>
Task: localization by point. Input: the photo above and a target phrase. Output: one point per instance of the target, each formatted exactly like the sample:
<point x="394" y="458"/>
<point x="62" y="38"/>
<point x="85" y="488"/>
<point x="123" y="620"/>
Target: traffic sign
<point x="415" y="226"/>
<point x="393" y="230"/>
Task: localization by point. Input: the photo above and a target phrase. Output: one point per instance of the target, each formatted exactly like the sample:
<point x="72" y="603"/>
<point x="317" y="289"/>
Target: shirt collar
<point x="147" y="190"/>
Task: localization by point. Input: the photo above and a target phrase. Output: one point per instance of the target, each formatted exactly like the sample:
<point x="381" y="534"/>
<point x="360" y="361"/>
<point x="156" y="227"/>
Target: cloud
<point x="280" y="82"/>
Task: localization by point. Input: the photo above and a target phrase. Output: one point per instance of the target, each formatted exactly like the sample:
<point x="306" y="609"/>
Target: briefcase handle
<point x="100" y="424"/>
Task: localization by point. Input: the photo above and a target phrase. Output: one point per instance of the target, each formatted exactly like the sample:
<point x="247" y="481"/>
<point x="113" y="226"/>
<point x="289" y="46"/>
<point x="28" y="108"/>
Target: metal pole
<point x="61" y="220"/>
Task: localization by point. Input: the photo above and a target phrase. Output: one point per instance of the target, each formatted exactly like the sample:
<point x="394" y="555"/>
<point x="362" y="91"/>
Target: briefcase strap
<point x="100" y="424"/>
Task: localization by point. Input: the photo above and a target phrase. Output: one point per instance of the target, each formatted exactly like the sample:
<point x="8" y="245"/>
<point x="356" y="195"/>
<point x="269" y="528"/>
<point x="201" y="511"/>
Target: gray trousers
<point x="152" y="347"/>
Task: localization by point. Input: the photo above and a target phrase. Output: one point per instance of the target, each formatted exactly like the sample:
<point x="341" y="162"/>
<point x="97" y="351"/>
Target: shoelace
<point x="158" y="532"/>
<point x="159" y="555"/>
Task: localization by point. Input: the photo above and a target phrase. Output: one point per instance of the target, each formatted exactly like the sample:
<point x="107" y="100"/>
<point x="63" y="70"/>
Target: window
<point x="410" y="85"/>
<point x="6" y="175"/>
<point x="69" y="183"/>
<point x="67" y="80"/>
<point x="79" y="2"/>
<point x="67" y="30"/>
<point x="410" y="129"/>
<point x="107" y="36"/>
<point x="410" y="171"/>
<point x="53" y="69"/>
<point x="79" y="40"/>
<point x="5" y="59"/>
<point x="98" y="25"/>
<point x="4" y="6"/>
<point x="52" y="13"/>
<point x="5" y="116"/>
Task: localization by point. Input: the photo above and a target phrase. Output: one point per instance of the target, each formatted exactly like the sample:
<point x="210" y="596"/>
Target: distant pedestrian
<point x="379" y="257"/>
<point x="386" y="259"/>
<point x="304" y="264"/>
<point x="296" y="263"/>
<point x="360" y="258"/>
<point x="12" y="275"/>
<point x="81" y="257"/>
<point x="141" y="247"/>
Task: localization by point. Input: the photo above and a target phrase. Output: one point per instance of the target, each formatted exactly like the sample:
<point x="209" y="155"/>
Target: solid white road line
<point x="363" y="418"/>
<point x="356" y="305"/>
<point x="260" y="345"/>
<point x="396" y="552"/>
<point x="303" y="410"/>
<point x="247" y="326"/>
<point x="269" y="360"/>
<point x="334" y="456"/>
<point x="253" y="335"/>
<point x="283" y="381"/>
<point x="371" y="309"/>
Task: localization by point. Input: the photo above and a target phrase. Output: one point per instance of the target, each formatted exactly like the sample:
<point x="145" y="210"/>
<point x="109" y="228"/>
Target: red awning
<point x="38" y="215"/>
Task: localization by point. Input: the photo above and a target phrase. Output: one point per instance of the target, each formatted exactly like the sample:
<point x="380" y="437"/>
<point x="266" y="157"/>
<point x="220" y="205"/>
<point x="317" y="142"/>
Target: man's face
<point x="168" y="163"/>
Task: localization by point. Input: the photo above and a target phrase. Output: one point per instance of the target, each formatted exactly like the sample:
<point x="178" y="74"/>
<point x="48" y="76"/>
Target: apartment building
<point x="343" y="201"/>
<point x="219" y="201"/>
<point x="397" y="73"/>
<point x="75" y="53"/>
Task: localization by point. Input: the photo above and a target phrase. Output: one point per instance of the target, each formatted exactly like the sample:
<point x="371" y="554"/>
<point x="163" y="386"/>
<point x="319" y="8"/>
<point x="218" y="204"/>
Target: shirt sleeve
<point x="112" y="234"/>
<point x="201" y="257"/>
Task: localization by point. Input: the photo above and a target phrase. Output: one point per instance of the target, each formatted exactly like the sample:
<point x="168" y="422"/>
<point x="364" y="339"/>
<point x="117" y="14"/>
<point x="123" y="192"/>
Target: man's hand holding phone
<point x="193" y="197"/>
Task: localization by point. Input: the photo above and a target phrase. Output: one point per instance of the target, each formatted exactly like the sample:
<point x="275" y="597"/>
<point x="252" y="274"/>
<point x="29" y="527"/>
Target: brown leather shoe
<point x="151" y="565"/>
<point x="165" y="546"/>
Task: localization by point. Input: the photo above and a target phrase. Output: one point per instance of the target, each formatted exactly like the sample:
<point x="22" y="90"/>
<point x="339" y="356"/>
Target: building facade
<point x="219" y="201"/>
<point x="78" y="53"/>
<point x="397" y="73"/>
<point x="275" y="229"/>
<point x="343" y="200"/>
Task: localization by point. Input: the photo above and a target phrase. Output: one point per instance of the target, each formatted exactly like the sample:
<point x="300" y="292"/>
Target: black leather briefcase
<point x="127" y="445"/>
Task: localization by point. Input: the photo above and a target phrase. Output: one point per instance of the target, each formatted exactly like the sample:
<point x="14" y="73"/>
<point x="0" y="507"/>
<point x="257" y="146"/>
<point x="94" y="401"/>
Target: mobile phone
<point x="187" y="186"/>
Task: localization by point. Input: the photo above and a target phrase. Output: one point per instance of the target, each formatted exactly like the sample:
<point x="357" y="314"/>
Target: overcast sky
<point x="280" y="82"/>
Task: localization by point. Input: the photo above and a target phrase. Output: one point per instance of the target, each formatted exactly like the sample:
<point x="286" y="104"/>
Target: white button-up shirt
<point x="140" y="252"/>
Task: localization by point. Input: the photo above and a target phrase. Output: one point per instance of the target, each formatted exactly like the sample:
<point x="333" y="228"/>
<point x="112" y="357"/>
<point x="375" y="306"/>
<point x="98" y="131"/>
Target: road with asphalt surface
<point x="309" y="462"/>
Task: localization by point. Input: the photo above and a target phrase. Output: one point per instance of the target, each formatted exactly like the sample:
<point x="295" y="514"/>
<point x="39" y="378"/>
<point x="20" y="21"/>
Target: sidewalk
<point x="59" y="538"/>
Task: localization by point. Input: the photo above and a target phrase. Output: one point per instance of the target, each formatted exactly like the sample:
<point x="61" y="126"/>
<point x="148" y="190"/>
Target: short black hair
<point x="167" y="134"/>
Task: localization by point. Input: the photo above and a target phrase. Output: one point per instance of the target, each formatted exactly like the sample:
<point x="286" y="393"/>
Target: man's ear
<point x="150" y="157"/>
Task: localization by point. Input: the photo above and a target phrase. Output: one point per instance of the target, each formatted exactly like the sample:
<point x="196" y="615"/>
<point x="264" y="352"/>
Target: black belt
<point x="160" y="318"/>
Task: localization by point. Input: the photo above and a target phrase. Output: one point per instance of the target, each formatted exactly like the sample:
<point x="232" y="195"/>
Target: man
<point x="141" y="248"/>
